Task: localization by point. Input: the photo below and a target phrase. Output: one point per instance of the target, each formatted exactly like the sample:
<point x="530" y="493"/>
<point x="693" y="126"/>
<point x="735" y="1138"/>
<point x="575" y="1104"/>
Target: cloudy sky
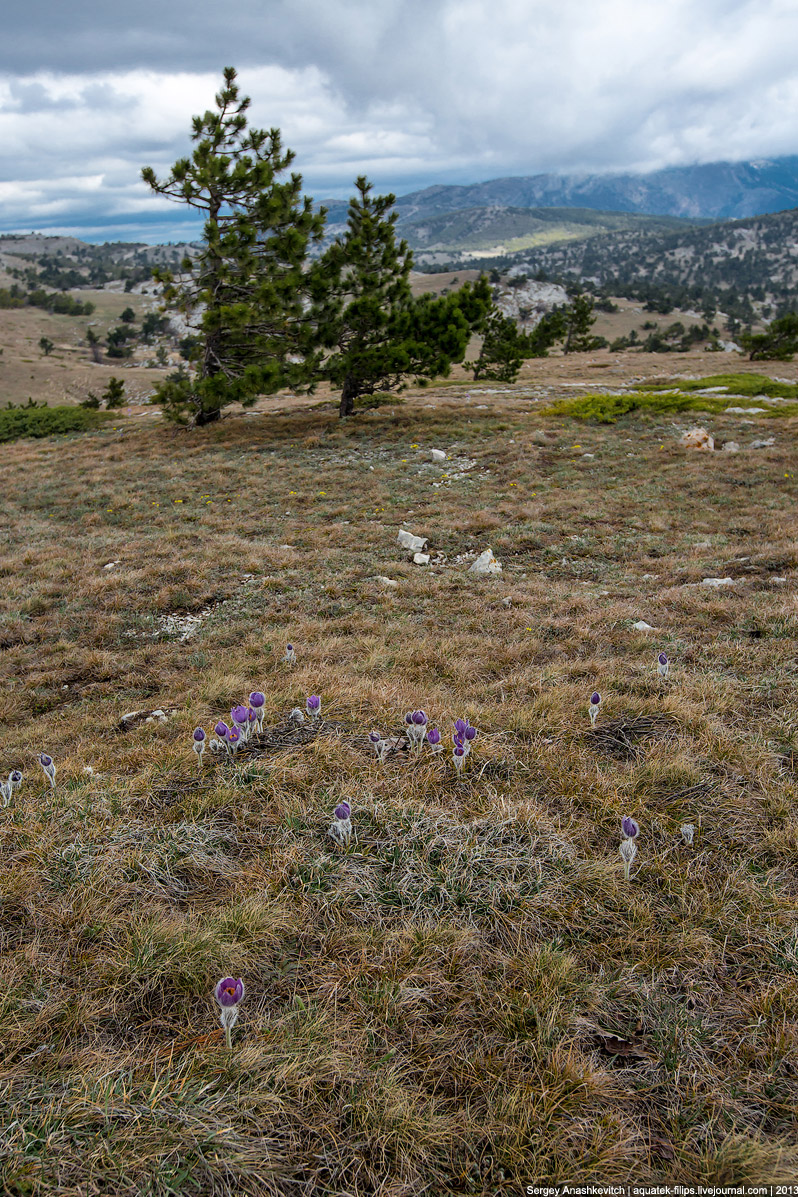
<point x="410" y="92"/>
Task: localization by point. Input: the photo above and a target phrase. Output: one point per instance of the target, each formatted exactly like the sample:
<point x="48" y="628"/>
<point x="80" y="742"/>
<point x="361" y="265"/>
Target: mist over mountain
<point x="711" y="191"/>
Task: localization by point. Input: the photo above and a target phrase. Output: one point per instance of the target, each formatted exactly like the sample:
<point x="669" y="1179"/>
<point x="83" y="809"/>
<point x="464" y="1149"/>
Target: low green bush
<point x="17" y="422"/>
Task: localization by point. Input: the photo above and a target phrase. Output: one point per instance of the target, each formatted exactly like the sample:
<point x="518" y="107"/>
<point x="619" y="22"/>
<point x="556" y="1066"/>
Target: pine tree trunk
<point x="207" y="417"/>
<point x="348" y="393"/>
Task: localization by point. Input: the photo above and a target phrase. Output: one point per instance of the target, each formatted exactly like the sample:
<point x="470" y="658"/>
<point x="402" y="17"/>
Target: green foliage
<point x="375" y="333"/>
<point x="155" y="324"/>
<point x="16" y="422"/>
<point x="778" y="343"/>
<point x="578" y="320"/>
<point x="114" y="393"/>
<point x="503" y="350"/>
<point x="46" y="346"/>
<point x="607" y="409"/>
<point x="117" y="341"/>
<point x="11" y="297"/>
<point x="244" y="295"/>
<point x="58" y="302"/>
<point x="128" y="316"/>
<point x="736" y="384"/>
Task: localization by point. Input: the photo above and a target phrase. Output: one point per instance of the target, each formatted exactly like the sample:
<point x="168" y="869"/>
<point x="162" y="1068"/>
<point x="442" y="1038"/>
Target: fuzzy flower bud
<point x="595" y="703"/>
<point x="290" y="655"/>
<point x="198" y="744"/>
<point x="629" y="828"/>
<point x="663" y="665"/>
<point x="688" y="832"/>
<point x="434" y="737"/>
<point x="313" y="706"/>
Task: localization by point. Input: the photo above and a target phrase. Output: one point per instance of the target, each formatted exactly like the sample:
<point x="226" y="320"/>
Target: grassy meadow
<point x="469" y="998"/>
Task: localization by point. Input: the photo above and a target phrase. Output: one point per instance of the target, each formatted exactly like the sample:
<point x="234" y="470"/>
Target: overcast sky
<point x="410" y="92"/>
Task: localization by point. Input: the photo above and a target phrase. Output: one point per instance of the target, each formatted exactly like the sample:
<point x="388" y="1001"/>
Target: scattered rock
<point x="485" y="564"/>
<point x="387" y="581"/>
<point x="421" y="558"/>
<point x="778" y="581"/>
<point x="111" y="565"/>
<point x="763" y="444"/>
<point x="642" y="626"/>
<point x="588" y="455"/>
<point x="507" y="602"/>
<point x="717" y="582"/>
<point x="649" y="577"/>
<point x="743" y="411"/>
<point x="731" y="447"/>
<point x="415" y="544"/>
<point x="698" y="438"/>
<point x="135" y="718"/>
<point x="437" y="455"/>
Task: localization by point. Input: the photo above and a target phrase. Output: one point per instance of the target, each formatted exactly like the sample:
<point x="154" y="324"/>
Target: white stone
<point x="588" y="455"/>
<point x="437" y="455"/>
<point x="387" y="581"/>
<point x="642" y="626"/>
<point x="421" y="558"/>
<point x="743" y="411"/>
<point x="716" y="582"/>
<point x="111" y="565"/>
<point x="416" y="544"/>
<point x="731" y="447"/>
<point x="763" y="444"/>
<point x="778" y="581"/>
<point x="650" y="577"/>
<point x="697" y="438"/>
<point x="485" y="564"/>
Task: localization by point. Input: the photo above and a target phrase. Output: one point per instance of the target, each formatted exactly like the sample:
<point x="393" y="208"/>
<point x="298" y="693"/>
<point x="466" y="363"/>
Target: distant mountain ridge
<point x="710" y="191"/>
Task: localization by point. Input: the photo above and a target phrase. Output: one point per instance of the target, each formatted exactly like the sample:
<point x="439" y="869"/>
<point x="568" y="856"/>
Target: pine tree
<point x="243" y="293"/>
<point x="376" y="334"/>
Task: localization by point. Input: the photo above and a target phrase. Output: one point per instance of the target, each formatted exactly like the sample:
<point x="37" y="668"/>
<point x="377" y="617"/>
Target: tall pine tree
<point x="375" y="333"/>
<point x="243" y="294"/>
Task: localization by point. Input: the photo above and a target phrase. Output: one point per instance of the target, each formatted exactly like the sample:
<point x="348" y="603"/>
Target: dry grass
<point x="468" y="999"/>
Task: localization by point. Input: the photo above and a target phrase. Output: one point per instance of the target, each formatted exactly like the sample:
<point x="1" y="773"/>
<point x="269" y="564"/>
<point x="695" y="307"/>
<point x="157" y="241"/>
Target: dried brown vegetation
<point x="469" y="998"/>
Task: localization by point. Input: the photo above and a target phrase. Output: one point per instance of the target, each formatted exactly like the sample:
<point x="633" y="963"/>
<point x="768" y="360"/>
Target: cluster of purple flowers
<point x="245" y="722"/>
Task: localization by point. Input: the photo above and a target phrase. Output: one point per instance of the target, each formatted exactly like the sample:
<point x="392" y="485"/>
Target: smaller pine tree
<point x="114" y="393"/>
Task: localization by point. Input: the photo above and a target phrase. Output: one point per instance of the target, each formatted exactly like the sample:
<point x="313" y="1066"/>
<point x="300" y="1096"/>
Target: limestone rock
<point x="437" y="455"/>
<point x="731" y="447"/>
<point x="698" y="438"/>
<point x="415" y="544"/>
<point x="485" y="564"/>
<point x="717" y="582"/>
<point x="421" y="558"/>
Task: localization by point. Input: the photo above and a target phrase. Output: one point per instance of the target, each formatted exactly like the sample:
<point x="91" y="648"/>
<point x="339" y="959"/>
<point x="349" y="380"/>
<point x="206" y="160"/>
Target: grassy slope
<point x="426" y="1011"/>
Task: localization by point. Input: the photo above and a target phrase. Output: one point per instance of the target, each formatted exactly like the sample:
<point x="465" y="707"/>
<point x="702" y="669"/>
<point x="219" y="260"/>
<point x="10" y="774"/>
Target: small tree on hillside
<point x="243" y="293"/>
<point x="578" y="320"/>
<point x="365" y="315"/>
<point x="778" y="343"/>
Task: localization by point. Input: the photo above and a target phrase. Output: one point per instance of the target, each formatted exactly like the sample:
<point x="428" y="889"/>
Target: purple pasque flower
<point x="460" y="726"/>
<point x="595" y="703"/>
<point x="420" y="718"/>
<point x="290" y="655"/>
<point x="222" y="729"/>
<point x="663" y="665"/>
<point x="416" y="729"/>
<point x="470" y="733"/>
<point x="229" y="993"/>
<point x="240" y="717"/>
<point x="15" y="779"/>
<point x="198" y="744"/>
<point x="409" y="718"/>
<point x="380" y="745"/>
<point x="627" y="851"/>
<point x="341" y="829"/>
<point x="313" y="705"/>
<point x="48" y="764"/>
<point x="257" y="700"/>
<point x="630" y="829"/>
<point x="434" y="737"/>
<point x="233" y="739"/>
<point x="459" y="755"/>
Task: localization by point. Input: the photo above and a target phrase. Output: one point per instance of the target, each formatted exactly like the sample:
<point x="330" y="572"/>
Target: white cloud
<point x="405" y="91"/>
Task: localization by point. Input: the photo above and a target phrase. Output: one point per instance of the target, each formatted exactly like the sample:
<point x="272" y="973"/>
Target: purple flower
<point x="229" y="991"/>
<point x="48" y="765"/>
<point x="257" y="700"/>
<point x="239" y="716"/>
<point x="342" y="811"/>
<point x="199" y="744"/>
<point x="470" y="733"/>
<point x="629" y="827"/>
<point x="434" y="736"/>
<point x="595" y="698"/>
<point x="459" y="740"/>
<point x="663" y="665"/>
<point x="460" y="725"/>
<point x="290" y="654"/>
<point x="459" y="757"/>
<point x="252" y="715"/>
<point x="375" y="737"/>
<point x="233" y="738"/>
<point x="313" y="705"/>
<point x="199" y="735"/>
<point x="409" y="718"/>
<point x="419" y="718"/>
<point x="15" y="778"/>
<point x="595" y="703"/>
<point x="222" y="730"/>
